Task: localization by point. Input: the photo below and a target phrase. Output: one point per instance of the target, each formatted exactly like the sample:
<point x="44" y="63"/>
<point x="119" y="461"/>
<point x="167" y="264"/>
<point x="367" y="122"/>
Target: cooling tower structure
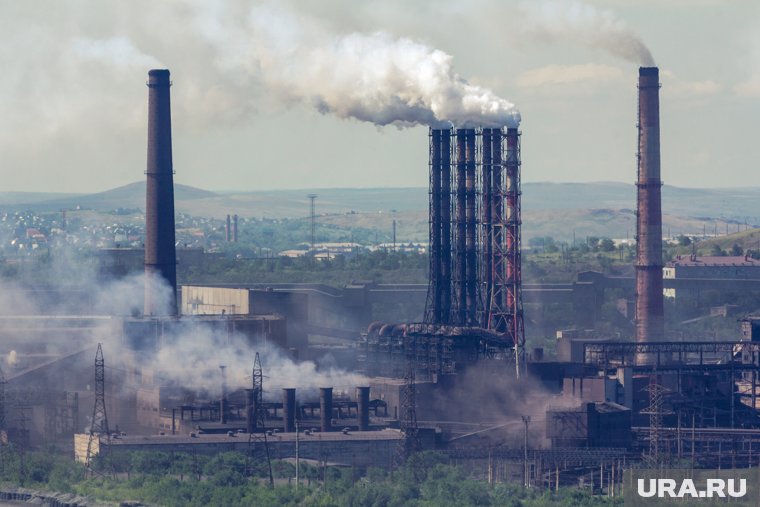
<point x="160" y="255"/>
<point x="650" y="324"/>
<point x="475" y="273"/>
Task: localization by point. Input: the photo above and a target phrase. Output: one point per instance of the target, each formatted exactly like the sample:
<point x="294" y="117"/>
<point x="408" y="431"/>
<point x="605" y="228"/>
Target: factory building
<point x="621" y="395"/>
<point x="722" y="269"/>
<point x="591" y="424"/>
<point x="360" y="449"/>
<point x="237" y="303"/>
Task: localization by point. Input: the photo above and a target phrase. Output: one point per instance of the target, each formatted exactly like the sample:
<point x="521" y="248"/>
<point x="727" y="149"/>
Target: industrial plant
<point x="211" y="368"/>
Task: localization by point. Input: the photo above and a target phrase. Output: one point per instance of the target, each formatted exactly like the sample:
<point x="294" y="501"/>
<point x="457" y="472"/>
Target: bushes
<point x="163" y="479"/>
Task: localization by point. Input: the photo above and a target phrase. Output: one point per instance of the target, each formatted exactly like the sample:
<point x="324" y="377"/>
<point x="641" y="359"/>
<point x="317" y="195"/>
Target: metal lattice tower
<point x="506" y="308"/>
<point x="655" y="410"/>
<point x="99" y="424"/>
<point x="513" y="194"/>
<point x="258" y="437"/>
<point x="410" y="443"/>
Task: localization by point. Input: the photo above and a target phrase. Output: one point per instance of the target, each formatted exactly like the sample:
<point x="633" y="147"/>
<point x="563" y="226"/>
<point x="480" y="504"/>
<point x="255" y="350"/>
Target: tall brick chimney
<point x="650" y="322"/>
<point x="160" y="254"/>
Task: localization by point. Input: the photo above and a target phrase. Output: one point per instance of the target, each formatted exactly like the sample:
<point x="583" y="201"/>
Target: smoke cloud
<point x="374" y="77"/>
<point x="191" y="358"/>
<point x="576" y="22"/>
<point x="117" y="51"/>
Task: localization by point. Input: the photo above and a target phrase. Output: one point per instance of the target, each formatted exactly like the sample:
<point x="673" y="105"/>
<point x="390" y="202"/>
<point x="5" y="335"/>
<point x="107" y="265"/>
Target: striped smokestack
<point x="160" y="255"/>
<point x="650" y="322"/>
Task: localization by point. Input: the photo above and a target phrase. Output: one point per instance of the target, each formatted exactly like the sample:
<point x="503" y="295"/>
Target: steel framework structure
<point x="258" y="437"/>
<point x="664" y="354"/>
<point x="655" y="411"/>
<point x="475" y="223"/>
<point x="435" y="349"/>
<point x="99" y="423"/>
<point x="547" y="468"/>
<point x="708" y="447"/>
<point x="410" y="444"/>
<point x="508" y="317"/>
<point x="737" y="363"/>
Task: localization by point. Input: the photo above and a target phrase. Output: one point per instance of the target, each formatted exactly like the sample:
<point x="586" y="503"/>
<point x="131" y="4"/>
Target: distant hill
<point x="747" y="239"/>
<point x="561" y="210"/>
<point x="127" y="196"/>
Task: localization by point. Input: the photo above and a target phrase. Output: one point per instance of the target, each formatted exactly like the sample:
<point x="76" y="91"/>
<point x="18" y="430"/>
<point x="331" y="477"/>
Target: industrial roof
<point x="201" y="438"/>
<point x="739" y="260"/>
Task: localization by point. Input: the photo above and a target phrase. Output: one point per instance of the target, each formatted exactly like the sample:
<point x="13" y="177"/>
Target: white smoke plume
<point x="373" y="77"/>
<point x="116" y="51"/>
<point x="580" y="23"/>
<point x="192" y="357"/>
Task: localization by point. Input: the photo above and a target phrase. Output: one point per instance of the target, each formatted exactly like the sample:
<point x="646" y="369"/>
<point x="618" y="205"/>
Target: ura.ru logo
<point x="713" y="488"/>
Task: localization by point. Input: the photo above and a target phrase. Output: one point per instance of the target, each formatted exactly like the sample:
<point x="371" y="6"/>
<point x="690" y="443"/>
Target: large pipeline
<point x="486" y="222"/>
<point x="471" y="227"/>
<point x="461" y="228"/>
<point x="435" y="223"/>
<point x="445" y="253"/>
<point x="497" y="219"/>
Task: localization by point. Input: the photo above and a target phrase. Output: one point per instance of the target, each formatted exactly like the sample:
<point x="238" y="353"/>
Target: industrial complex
<point x="459" y="381"/>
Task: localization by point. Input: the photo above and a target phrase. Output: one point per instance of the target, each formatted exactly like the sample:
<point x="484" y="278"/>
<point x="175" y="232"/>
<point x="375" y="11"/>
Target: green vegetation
<point x="183" y="479"/>
<point x="380" y="266"/>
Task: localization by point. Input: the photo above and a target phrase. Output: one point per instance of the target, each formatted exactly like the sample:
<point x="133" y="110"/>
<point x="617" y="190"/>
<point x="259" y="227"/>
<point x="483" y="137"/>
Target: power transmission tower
<point x="99" y="425"/>
<point x="258" y="437"/>
<point x="655" y="457"/>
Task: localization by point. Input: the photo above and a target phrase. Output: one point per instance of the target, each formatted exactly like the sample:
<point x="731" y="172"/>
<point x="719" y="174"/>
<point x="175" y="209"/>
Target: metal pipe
<point x="362" y="406"/>
<point x="486" y="225"/>
<point x="445" y="253"/>
<point x="497" y="219"/>
<point x="223" y="401"/>
<point x="471" y="227"/>
<point x="289" y="409"/>
<point x="461" y="228"/>
<point x="513" y="248"/>
<point x="160" y="254"/>
<point x="325" y="408"/>
<point x="435" y="222"/>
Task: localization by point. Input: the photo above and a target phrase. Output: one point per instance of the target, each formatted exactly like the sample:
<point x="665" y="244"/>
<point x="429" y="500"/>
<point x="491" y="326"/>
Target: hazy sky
<point x="258" y="95"/>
